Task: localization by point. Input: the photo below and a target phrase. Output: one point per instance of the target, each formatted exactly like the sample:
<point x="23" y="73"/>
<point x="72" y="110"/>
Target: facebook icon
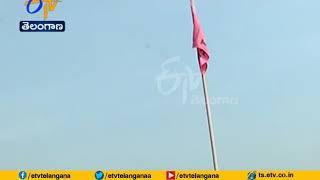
<point x="22" y="174"/>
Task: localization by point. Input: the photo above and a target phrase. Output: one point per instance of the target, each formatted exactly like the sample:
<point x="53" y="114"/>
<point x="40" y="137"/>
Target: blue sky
<point x="88" y="98"/>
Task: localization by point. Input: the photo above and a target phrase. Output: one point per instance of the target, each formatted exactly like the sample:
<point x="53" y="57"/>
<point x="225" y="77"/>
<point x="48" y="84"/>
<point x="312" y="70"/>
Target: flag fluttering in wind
<point x="199" y="41"/>
<point x="203" y="58"/>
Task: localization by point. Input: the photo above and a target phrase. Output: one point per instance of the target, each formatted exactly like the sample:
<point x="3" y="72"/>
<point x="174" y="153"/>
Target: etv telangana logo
<point x="35" y="6"/>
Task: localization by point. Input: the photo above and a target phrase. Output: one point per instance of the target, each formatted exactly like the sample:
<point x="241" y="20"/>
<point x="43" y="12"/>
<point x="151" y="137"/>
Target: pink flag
<point x="199" y="41"/>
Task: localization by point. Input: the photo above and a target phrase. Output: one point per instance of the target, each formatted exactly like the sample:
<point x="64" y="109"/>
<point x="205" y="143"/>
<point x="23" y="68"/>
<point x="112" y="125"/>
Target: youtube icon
<point x="171" y="175"/>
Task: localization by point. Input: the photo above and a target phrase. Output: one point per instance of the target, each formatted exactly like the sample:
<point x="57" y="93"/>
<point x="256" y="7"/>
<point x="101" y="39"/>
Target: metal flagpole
<point x="205" y="89"/>
<point x="210" y="126"/>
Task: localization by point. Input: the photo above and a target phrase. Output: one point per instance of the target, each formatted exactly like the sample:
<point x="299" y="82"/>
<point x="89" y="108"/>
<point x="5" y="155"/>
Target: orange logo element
<point x="47" y="5"/>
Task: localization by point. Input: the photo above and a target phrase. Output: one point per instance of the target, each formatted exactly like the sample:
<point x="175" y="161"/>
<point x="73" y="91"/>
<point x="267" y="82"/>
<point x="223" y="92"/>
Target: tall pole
<point x="203" y="57"/>
<point x="210" y="126"/>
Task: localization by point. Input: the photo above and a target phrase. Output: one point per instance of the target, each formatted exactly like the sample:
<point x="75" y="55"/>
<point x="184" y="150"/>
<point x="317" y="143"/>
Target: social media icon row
<point x="99" y="175"/>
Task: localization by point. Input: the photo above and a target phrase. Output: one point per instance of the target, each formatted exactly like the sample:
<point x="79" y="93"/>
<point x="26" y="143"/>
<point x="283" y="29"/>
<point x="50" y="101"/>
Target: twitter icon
<point x="99" y="175"/>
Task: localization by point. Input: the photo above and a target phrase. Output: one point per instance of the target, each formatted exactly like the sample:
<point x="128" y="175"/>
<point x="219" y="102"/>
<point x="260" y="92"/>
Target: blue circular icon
<point x="252" y="175"/>
<point x="99" y="175"/>
<point x="22" y="174"/>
